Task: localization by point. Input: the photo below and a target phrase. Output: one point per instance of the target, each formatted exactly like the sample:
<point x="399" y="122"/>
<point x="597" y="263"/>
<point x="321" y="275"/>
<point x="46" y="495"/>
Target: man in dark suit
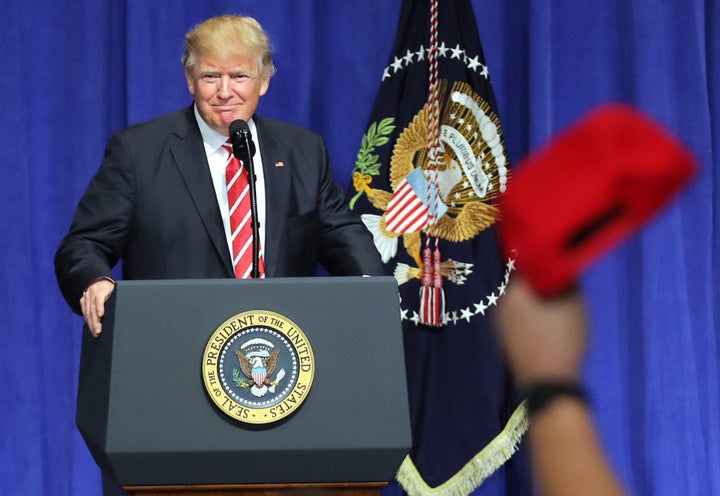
<point x="159" y="199"/>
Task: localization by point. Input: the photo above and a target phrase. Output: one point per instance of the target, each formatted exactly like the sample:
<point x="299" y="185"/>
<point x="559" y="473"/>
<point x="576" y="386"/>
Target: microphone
<point x="241" y="139"/>
<point x="244" y="150"/>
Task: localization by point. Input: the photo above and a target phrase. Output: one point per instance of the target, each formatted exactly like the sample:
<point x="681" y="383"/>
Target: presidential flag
<point x="431" y="167"/>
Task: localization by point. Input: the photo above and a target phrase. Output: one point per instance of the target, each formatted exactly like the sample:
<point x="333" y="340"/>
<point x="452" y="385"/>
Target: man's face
<point x="226" y="89"/>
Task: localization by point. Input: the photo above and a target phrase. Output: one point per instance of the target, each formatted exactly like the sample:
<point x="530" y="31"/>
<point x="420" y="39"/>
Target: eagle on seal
<point x="255" y="370"/>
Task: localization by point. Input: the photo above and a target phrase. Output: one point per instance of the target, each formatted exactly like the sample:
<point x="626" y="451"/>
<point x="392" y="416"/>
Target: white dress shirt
<point x="217" y="158"/>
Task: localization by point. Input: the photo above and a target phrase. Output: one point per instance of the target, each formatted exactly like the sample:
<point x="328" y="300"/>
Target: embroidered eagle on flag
<point x="472" y="174"/>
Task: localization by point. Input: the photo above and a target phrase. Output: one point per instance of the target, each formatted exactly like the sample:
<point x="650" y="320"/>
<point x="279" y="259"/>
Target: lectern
<point x="154" y="412"/>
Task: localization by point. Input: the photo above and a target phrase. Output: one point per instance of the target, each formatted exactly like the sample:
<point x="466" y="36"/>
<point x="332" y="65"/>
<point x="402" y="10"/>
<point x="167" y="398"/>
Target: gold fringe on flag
<point x="482" y="465"/>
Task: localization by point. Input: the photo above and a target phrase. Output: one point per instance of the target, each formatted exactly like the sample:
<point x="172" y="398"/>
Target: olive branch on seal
<point x="239" y="381"/>
<point x="367" y="163"/>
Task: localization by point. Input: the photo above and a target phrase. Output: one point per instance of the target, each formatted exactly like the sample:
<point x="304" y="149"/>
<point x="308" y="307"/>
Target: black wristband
<point x="539" y="395"/>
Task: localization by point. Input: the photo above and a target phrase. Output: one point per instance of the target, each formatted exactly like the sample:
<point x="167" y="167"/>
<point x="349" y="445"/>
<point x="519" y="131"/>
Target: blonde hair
<point x="228" y="35"/>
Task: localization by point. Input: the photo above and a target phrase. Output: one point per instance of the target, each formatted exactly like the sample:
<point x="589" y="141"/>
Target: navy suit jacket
<point x="153" y="205"/>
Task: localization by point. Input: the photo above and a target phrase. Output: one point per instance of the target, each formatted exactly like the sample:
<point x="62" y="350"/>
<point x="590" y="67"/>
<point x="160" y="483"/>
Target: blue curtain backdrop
<point x="75" y="71"/>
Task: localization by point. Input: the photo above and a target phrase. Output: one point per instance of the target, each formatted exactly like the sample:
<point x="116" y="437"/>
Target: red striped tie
<point x="238" y="191"/>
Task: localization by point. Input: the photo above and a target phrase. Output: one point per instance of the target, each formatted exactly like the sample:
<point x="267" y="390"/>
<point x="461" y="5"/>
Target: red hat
<point x="588" y="189"/>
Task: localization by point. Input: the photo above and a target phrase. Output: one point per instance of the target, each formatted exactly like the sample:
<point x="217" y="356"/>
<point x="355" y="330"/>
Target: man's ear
<point x="264" y="85"/>
<point x="190" y="80"/>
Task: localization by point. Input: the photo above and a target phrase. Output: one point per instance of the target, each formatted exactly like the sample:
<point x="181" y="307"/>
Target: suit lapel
<point x="277" y="173"/>
<point x="189" y="155"/>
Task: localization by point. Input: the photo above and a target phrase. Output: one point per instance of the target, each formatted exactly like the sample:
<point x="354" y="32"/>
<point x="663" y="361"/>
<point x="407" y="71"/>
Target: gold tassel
<point x="432" y="296"/>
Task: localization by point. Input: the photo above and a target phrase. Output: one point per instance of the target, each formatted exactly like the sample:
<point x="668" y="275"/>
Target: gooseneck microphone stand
<point x="244" y="149"/>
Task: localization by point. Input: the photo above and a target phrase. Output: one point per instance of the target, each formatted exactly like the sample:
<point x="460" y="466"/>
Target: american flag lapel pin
<point x="279" y="164"/>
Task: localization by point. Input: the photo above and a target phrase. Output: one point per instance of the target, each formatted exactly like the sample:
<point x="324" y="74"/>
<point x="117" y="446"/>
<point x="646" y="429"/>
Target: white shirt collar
<point x="214" y="140"/>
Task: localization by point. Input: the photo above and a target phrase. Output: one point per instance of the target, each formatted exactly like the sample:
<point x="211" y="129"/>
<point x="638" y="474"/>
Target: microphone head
<point x="238" y="126"/>
<point x="241" y="139"/>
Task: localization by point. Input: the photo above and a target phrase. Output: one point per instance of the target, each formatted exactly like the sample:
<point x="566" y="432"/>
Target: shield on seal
<point x="259" y="372"/>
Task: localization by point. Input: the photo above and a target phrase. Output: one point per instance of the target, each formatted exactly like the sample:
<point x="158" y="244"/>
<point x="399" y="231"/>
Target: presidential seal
<point x="258" y="367"/>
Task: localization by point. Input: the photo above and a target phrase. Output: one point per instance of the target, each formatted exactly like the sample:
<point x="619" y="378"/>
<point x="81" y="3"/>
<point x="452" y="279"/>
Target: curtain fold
<point x="74" y="72"/>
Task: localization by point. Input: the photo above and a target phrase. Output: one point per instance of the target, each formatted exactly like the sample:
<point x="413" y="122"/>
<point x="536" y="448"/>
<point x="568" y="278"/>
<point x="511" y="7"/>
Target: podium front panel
<point x="145" y="414"/>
